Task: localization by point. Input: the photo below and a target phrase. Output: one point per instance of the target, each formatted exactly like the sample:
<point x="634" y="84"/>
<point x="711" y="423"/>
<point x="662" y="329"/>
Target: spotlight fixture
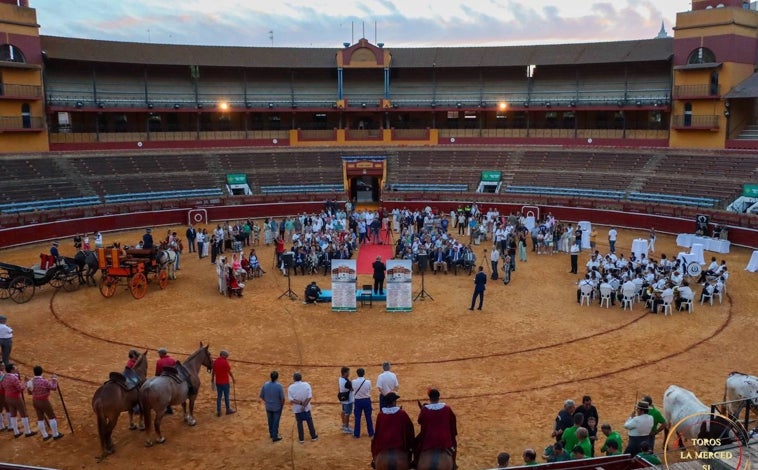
<point x="433" y="105"/>
<point x="620" y="103"/>
<point x="248" y="105"/>
<point x="547" y="104"/>
<point x="100" y="105"/>
<point x="177" y="106"/>
<point x="572" y="104"/>
<point x="346" y="44"/>
<point x="200" y="106"/>
<point x="150" y="106"/>
<point x="459" y="105"/>
<point x="638" y="103"/>
<point x="79" y="104"/>
<point x="363" y="105"/>
<point x="271" y="106"/>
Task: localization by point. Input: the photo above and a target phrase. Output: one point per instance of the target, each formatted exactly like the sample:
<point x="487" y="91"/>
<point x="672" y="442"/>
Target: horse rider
<point x="438" y="427"/>
<point x="164" y="360"/>
<point x="394" y="430"/>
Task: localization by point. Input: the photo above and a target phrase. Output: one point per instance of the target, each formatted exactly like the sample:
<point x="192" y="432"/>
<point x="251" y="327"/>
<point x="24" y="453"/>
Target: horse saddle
<point x="128" y="380"/>
<point x="180" y="374"/>
<point x="173" y="373"/>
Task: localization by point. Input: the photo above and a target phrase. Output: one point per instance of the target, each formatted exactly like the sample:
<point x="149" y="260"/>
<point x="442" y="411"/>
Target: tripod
<point x="423" y="294"/>
<point x="289" y="292"/>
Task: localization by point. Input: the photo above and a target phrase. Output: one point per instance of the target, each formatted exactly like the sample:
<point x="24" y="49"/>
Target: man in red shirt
<point x="40" y="389"/>
<point x="394" y="429"/>
<point x="164" y="360"/>
<point x="438" y="426"/>
<point x="222" y="372"/>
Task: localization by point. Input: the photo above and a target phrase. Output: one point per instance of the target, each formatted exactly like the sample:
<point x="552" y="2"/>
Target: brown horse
<point x="392" y="459"/>
<point x="157" y="393"/>
<point x="435" y="459"/>
<point x="120" y="393"/>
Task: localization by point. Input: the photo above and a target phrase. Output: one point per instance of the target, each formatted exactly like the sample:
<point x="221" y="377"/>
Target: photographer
<point x="312" y="293"/>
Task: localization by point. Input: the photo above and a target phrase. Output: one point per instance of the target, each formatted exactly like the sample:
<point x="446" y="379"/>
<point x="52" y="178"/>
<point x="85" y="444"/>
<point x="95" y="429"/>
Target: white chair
<point x="605" y="296"/>
<point x="586" y="293"/>
<point x="666" y="305"/>
<point x="627" y="299"/>
<point x="686" y="303"/>
<point x="706" y="296"/>
<point x="718" y="293"/>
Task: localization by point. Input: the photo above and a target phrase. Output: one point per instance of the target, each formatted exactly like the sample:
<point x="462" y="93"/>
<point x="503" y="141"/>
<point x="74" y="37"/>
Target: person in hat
<point x="312" y="293"/>
<point x="147" y="239"/>
<point x="394" y="430"/>
<point x="639" y="425"/>
<point x="379" y="272"/>
<point x="439" y="429"/>
<point x="220" y="375"/>
<point x="164" y="360"/>
<point x="54" y="251"/>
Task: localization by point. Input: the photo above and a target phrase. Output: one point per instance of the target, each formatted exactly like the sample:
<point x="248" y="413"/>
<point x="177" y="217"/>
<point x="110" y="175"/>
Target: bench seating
<point x="574" y="192"/>
<point x="31" y="206"/>
<point x="674" y="199"/>
<point x="460" y="188"/>
<point x="154" y="195"/>
<point x="302" y="188"/>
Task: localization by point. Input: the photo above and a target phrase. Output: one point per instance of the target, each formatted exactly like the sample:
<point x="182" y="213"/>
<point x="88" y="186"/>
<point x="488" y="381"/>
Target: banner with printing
<point x="344" y="279"/>
<point x="399" y="285"/>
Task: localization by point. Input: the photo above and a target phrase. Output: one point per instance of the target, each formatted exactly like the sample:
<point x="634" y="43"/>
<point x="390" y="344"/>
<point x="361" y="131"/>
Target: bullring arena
<point x="116" y="137"/>
<point x="505" y="370"/>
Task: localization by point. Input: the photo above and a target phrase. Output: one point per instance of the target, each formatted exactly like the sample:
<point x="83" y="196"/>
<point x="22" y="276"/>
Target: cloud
<point x="329" y="23"/>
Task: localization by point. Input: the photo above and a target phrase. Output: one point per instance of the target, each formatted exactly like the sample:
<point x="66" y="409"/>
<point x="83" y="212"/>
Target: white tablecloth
<point x="709" y="244"/>
<point x="586" y="229"/>
<point x="639" y="248"/>
<point x="697" y="250"/>
<point x="687" y="258"/>
<point x="752" y="266"/>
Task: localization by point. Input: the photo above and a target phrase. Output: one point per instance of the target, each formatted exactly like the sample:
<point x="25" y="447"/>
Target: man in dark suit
<point x="479" y="284"/>
<point x="191" y="236"/>
<point x="379" y="273"/>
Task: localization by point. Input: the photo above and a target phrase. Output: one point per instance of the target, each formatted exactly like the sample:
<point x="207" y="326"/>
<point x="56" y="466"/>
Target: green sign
<point x="750" y="190"/>
<point x="236" y="178"/>
<point x="494" y="176"/>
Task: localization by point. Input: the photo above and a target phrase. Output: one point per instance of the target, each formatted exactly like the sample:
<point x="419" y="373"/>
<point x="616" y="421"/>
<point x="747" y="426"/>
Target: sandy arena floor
<point x="505" y="371"/>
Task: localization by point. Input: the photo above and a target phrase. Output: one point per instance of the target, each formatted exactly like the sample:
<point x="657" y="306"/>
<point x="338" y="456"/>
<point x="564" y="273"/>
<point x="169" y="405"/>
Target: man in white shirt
<point x="612" y="234"/>
<point x="494" y="260"/>
<point x="6" y="340"/>
<point x="300" y="395"/>
<point x="362" y="393"/>
<point x="386" y="383"/>
<point x="639" y="425"/>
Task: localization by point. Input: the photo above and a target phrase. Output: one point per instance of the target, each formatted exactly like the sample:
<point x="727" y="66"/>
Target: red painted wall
<point x="681" y="220"/>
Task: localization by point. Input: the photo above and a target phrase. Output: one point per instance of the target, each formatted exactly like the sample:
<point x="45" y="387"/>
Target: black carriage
<point x="19" y="283"/>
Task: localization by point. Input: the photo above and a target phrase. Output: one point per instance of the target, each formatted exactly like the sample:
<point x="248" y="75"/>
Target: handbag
<point x="345" y="396"/>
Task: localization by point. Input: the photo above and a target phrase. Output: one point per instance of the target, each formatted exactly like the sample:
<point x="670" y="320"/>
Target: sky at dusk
<point x="330" y="23"/>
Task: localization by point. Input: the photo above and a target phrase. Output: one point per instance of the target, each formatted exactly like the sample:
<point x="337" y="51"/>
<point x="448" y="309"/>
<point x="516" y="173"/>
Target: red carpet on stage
<point x="367" y="255"/>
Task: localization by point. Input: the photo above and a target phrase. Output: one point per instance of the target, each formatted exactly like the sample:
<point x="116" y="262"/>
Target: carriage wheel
<point x="108" y="285"/>
<point x="163" y="278"/>
<point x="5" y="293"/>
<point x="71" y="283"/>
<point x="138" y="285"/>
<point x="58" y="280"/>
<point x="21" y="289"/>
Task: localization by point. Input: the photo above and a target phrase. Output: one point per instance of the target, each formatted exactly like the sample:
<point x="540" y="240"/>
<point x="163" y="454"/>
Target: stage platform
<point x="326" y="296"/>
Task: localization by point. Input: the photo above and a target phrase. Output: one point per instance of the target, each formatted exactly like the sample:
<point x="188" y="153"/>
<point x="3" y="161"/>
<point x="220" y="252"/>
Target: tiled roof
<point x="87" y="50"/>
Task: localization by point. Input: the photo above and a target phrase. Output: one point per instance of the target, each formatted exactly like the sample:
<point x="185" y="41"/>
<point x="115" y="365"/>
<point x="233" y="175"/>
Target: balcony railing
<point x="19" y="123"/>
<point x="11" y="90"/>
<point x="695" y="121"/>
<point x="697" y="91"/>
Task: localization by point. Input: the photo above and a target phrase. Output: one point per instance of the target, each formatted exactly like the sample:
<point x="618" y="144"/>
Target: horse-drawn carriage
<point x="135" y="265"/>
<point x="19" y="283"/>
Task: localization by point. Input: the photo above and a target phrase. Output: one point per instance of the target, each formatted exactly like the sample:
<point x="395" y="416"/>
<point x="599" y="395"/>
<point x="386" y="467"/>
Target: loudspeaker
<point x="288" y="259"/>
<point x="701" y="223"/>
<point x="423" y="262"/>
